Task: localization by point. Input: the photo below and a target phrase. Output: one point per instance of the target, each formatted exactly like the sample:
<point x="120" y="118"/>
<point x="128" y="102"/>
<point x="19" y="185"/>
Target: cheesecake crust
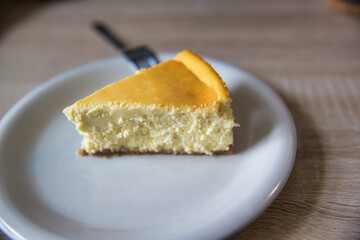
<point x="108" y="153"/>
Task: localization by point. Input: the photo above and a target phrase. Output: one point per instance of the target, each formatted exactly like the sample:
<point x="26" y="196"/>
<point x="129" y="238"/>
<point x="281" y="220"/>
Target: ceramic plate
<point x="48" y="192"/>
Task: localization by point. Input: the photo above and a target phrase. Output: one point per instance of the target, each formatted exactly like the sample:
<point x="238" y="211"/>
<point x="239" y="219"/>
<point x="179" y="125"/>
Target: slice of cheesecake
<point x="180" y="106"/>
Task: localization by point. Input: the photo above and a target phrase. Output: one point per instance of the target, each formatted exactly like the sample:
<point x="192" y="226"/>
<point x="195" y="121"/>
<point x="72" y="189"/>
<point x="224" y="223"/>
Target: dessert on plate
<point x="180" y="106"/>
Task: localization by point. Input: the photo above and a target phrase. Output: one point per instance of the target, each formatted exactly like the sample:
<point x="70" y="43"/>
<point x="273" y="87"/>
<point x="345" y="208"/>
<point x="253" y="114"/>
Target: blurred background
<point x="308" y="51"/>
<point x="274" y="39"/>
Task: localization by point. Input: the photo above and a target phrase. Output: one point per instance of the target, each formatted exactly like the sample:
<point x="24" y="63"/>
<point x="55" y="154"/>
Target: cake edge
<point x="108" y="153"/>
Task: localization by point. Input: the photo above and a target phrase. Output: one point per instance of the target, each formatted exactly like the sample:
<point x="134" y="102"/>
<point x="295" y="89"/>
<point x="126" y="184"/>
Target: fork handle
<point x="109" y="35"/>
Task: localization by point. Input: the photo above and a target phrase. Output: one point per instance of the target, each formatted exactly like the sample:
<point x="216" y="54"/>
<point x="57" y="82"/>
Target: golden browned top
<point x="204" y="72"/>
<point x="185" y="81"/>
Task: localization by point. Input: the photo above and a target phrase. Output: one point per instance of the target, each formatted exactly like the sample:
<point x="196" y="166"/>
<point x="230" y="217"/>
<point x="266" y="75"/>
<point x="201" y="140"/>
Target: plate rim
<point x="64" y="76"/>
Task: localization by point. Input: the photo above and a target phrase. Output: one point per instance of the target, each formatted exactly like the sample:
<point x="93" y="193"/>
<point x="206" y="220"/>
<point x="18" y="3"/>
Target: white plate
<point x="48" y="192"/>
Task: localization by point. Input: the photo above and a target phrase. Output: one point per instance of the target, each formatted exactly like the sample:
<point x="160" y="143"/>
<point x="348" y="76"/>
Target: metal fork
<point x="139" y="57"/>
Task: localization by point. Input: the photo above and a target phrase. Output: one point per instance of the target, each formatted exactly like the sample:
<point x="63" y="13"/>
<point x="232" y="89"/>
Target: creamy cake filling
<point x="154" y="128"/>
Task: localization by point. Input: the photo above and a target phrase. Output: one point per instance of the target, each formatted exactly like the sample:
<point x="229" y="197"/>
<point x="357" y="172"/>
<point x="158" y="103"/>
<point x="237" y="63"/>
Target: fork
<point x="140" y="57"/>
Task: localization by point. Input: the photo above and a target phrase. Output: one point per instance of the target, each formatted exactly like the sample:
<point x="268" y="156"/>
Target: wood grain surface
<point x="306" y="51"/>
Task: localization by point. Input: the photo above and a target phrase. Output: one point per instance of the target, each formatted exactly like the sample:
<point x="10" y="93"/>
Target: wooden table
<point x="307" y="52"/>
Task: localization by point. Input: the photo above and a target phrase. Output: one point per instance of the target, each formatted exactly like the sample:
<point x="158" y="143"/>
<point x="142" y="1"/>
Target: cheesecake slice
<point x="180" y="106"/>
